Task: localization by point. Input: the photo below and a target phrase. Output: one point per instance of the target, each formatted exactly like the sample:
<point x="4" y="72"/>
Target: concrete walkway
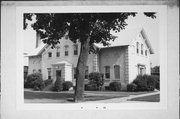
<point x="123" y="99"/>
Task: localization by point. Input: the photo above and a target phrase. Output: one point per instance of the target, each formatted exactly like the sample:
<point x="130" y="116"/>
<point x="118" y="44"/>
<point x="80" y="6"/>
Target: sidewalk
<point x="124" y="99"/>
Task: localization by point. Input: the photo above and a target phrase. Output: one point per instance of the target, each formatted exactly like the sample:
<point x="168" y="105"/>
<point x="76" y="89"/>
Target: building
<point x="123" y="60"/>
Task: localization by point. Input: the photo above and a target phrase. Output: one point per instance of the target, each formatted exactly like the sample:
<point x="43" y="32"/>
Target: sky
<point x="150" y="25"/>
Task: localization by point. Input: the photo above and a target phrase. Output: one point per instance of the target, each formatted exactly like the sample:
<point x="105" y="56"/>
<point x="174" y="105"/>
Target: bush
<point x="91" y="87"/>
<point x="132" y="87"/>
<point x="58" y="85"/>
<point x="145" y="83"/>
<point x="34" y="81"/>
<point x="48" y="82"/>
<point x="157" y="82"/>
<point x="96" y="80"/>
<point x="115" y="86"/>
<point x="67" y="85"/>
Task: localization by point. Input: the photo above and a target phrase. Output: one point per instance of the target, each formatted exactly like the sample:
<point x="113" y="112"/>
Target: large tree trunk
<point x="80" y="70"/>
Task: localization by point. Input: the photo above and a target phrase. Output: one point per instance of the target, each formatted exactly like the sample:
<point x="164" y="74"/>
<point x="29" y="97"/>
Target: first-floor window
<point x="117" y="71"/>
<point x="34" y="71"/>
<point x="75" y="73"/>
<point x="107" y="72"/>
<point x="86" y="72"/>
<point x="142" y="70"/>
<point x="49" y="73"/>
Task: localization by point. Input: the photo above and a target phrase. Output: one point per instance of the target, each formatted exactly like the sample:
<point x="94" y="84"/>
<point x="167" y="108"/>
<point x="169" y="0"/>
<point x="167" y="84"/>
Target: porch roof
<point x="62" y="63"/>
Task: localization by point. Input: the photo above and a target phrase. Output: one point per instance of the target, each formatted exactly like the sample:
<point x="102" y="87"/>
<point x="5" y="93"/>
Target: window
<point x="49" y="54"/>
<point x="141" y="70"/>
<point x="58" y="52"/>
<point x="146" y="52"/>
<point x="49" y="73"/>
<point x="75" y="49"/>
<point x="66" y="50"/>
<point x="86" y="72"/>
<point x="137" y="47"/>
<point x="117" y="72"/>
<point x="107" y="72"/>
<point x="75" y="73"/>
<point x="34" y="71"/>
<point x="39" y="70"/>
<point x="142" y="49"/>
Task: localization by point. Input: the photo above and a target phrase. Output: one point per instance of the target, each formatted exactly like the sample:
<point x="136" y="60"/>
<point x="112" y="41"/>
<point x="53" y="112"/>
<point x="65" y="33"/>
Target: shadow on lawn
<point x="66" y="96"/>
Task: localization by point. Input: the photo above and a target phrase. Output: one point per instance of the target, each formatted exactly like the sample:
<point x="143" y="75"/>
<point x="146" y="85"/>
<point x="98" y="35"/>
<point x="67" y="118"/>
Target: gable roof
<point x="125" y="37"/>
<point x="38" y="50"/>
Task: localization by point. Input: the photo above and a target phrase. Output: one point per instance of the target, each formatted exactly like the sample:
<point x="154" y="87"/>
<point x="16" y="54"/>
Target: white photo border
<point x="162" y="11"/>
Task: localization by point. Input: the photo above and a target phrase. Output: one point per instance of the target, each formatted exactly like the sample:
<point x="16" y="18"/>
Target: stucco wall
<point x="34" y="64"/>
<point x="71" y="58"/>
<point x="135" y="58"/>
<point x="110" y="57"/>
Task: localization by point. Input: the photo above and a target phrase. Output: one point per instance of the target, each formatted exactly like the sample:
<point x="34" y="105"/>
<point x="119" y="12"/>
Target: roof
<point x="38" y="50"/>
<point x="125" y="37"/>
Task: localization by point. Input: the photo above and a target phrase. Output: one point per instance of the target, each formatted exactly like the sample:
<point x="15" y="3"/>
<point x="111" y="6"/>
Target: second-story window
<point x="75" y="49"/>
<point x="49" y="54"/>
<point x="137" y="47"/>
<point x="58" y="52"/>
<point x="142" y="49"/>
<point x="146" y="52"/>
<point x="66" y="50"/>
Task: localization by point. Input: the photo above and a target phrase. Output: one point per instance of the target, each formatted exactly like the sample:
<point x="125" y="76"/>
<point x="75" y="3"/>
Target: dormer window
<point x="66" y="50"/>
<point x="137" y="47"/>
<point x="142" y="49"/>
<point x="49" y="54"/>
<point x="75" y="49"/>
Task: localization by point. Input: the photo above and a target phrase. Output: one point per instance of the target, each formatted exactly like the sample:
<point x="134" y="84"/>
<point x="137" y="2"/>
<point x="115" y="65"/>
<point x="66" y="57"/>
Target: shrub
<point x="34" y="81"/>
<point x="58" y="85"/>
<point x="131" y="87"/>
<point x="157" y="82"/>
<point x="115" y="86"/>
<point x="67" y="85"/>
<point x="91" y="87"/>
<point x="48" y="82"/>
<point x="96" y="80"/>
<point x="145" y="83"/>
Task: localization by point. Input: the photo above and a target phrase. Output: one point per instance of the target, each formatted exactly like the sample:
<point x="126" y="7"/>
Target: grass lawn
<point x="152" y="98"/>
<point x="67" y="96"/>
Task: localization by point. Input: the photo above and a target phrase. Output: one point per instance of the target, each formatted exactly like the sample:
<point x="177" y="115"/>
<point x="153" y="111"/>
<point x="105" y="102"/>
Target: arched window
<point x="66" y="50"/>
<point x="117" y="71"/>
<point x="137" y="47"/>
<point x="142" y="49"/>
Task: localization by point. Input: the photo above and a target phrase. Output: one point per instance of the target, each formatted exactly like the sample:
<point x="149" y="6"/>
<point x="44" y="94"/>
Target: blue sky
<point x="150" y="25"/>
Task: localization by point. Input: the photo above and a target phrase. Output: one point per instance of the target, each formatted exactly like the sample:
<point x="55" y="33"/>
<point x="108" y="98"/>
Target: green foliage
<point x="145" y="83"/>
<point x="58" y="85"/>
<point x="48" y="82"/>
<point x="67" y="85"/>
<point x="132" y="87"/>
<point x="91" y="87"/>
<point x="34" y="81"/>
<point x="96" y="78"/>
<point x="115" y="86"/>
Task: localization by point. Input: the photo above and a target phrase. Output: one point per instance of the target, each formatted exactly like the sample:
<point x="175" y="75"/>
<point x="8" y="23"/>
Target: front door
<point x="58" y="74"/>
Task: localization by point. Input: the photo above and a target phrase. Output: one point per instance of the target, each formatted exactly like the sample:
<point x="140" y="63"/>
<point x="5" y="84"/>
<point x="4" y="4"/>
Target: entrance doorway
<point x="58" y="74"/>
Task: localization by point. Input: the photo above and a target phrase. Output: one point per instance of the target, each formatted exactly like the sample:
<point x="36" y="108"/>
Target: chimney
<point x="38" y="40"/>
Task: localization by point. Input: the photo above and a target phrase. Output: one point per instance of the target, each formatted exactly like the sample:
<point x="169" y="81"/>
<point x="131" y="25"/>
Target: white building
<point x="123" y="60"/>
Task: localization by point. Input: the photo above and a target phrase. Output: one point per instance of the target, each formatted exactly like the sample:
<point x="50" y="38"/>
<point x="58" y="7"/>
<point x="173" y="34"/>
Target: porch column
<point x="96" y="63"/>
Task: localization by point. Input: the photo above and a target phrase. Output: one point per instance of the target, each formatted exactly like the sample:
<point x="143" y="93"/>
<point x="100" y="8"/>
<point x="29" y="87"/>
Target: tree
<point x="86" y="28"/>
